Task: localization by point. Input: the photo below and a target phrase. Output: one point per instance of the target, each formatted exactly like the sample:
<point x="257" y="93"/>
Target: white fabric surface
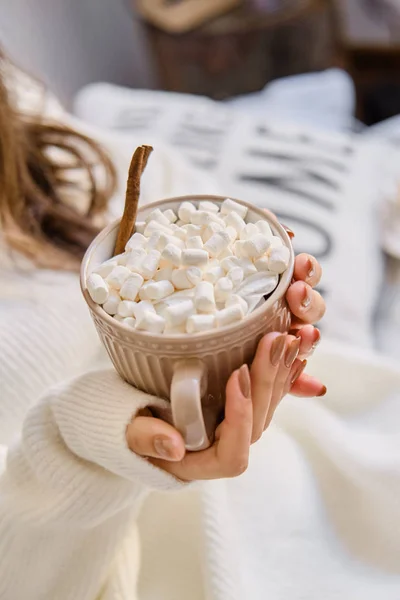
<point x="325" y="185"/>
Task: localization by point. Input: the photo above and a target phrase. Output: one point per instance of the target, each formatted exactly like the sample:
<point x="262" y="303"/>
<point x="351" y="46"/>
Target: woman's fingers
<point x="264" y="369"/>
<point x="290" y="355"/>
<point x="307" y="386"/>
<point x="307" y="269"/>
<point x="150" y="437"/>
<point x="229" y="455"/>
<point x="310" y="337"/>
<point x="307" y="305"/>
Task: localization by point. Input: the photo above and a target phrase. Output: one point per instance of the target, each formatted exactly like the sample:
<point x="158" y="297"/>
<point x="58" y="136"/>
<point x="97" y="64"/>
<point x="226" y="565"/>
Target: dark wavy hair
<point x="36" y="218"/>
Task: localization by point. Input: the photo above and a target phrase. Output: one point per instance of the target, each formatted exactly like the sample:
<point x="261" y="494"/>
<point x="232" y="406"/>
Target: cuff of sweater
<point x="92" y="414"/>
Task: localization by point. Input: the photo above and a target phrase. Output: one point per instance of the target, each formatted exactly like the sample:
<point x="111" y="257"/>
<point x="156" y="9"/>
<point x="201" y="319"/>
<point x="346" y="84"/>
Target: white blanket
<point x="317" y="515"/>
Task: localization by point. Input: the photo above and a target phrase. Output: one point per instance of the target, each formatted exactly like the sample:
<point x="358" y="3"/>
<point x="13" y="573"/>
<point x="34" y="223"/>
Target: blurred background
<point x="220" y="48"/>
<point x="290" y="104"/>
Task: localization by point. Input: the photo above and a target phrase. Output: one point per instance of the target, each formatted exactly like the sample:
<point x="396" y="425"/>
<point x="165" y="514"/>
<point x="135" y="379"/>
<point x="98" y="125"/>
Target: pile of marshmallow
<point x="194" y="271"/>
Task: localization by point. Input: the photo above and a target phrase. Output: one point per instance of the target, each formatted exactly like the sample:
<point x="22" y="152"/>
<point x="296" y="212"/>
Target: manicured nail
<point x="277" y="349"/>
<point x="323" y="392"/>
<point x="306" y="301"/>
<point x="244" y="381"/>
<point x="310" y="268"/>
<point x="288" y="231"/>
<point x="165" y="448"/>
<point x="317" y="339"/>
<point x="292" y="352"/>
<point x="298" y="371"/>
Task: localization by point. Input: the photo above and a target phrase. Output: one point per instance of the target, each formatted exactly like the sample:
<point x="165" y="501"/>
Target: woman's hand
<point x="251" y="400"/>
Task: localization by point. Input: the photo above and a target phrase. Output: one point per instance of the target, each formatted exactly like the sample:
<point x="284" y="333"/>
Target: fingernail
<point x="306" y="301"/>
<point x="317" y="340"/>
<point x="292" y="352"/>
<point x="310" y="268"/>
<point x="165" y="448"/>
<point x="244" y="381"/>
<point x="289" y="231"/>
<point x="277" y="349"/>
<point x="323" y="392"/>
<point x="298" y="371"/>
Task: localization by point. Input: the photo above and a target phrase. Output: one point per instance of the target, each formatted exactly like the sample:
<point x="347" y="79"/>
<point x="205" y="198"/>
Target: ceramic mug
<point x="189" y="370"/>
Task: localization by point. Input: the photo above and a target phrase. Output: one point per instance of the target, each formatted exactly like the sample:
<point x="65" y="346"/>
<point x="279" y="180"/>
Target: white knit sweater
<point x="316" y="515"/>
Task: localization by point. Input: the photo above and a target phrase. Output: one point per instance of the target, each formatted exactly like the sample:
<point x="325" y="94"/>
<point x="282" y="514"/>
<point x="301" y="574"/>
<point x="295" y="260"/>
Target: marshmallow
<point x="212" y="275"/>
<point x="126" y="308"/>
<point x="229" y="205"/>
<point x="278" y="259"/>
<point x="194" y="258"/>
<point x="194" y="243"/>
<point x="131" y="287"/>
<point x="171" y="255"/>
<point x="136" y="241"/>
<point x="158" y="216"/>
<point x="264" y="228"/>
<point x="208" y="206"/>
<point x="194" y="275"/>
<point x="197" y="323"/>
<point x="256" y="246"/>
<point x="233" y="234"/>
<point x="164" y="274"/>
<point x="143" y="307"/>
<point x="150" y="322"/>
<point x="201" y="218"/>
<point x="254" y="301"/>
<point x="204" y="299"/>
<point x="123" y="258"/>
<point x="135" y="259"/>
<point x="112" y="303"/>
<point x="249" y="232"/>
<point x="223" y="289"/>
<point x="153" y="240"/>
<point x="234" y="220"/>
<point x="106" y="267"/>
<point x="140" y="226"/>
<point x="178" y="232"/>
<point x="155" y="227"/>
<point x="234" y="299"/>
<point x="229" y="263"/>
<point x="247" y="266"/>
<point x="260" y="283"/>
<point x="191" y="230"/>
<point x="211" y="229"/>
<point x="130" y="321"/>
<point x="276" y="242"/>
<point x="236" y="275"/>
<point x="157" y="290"/>
<point x="118" y="318"/>
<point x="238" y="248"/>
<point x="185" y="211"/>
<point x="97" y="288"/>
<point x="217" y="243"/>
<point x="186" y="278"/>
<point x="177" y="314"/>
<point x="117" y="277"/>
<point x="170" y="216"/>
<point x="229" y="315"/>
<point x="150" y="264"/>
<point x="165" y="240"/>
<point x="261" y="264"/>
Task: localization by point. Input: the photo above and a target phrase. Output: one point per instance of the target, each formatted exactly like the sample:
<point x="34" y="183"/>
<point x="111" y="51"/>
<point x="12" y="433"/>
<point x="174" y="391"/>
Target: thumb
<point x="153" y="438"/>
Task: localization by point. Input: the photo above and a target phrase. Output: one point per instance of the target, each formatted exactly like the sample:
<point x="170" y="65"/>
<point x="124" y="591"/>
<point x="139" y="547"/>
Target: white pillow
<point x="323" y="185"/>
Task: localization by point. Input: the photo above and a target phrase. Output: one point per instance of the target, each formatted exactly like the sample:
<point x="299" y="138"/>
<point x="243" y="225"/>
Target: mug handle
<point x="188" y="386"/>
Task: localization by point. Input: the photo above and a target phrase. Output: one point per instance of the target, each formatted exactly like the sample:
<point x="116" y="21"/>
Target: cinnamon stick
<point x="127" y="225"/>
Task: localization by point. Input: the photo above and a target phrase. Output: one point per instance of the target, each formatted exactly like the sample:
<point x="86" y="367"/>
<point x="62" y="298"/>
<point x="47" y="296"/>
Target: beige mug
<point x="190" y="370"/>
